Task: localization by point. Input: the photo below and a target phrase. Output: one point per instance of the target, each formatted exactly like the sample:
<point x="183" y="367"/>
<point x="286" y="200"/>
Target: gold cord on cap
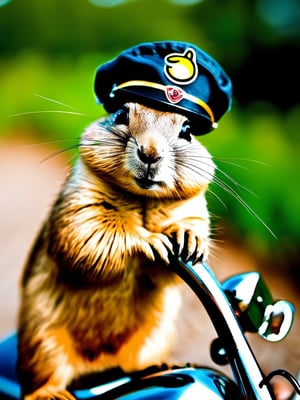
<point x="161" y="87"/>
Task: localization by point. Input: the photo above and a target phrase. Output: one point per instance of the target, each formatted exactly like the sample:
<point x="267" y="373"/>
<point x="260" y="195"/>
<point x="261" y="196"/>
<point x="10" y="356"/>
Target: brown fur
<point x="94" y="293"/>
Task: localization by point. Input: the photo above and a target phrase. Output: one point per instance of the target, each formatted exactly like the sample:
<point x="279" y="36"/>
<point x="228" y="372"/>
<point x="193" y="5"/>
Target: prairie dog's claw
<point x="45" y="394"/>
<point x="187" y="244"/>
<point x="161" y="246"/>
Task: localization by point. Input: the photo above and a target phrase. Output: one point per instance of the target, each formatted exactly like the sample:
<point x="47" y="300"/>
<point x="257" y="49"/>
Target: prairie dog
<point x="95" y="291"/>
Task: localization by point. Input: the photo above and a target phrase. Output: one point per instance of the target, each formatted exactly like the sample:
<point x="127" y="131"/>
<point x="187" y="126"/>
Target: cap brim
<point x="199" y="120"/>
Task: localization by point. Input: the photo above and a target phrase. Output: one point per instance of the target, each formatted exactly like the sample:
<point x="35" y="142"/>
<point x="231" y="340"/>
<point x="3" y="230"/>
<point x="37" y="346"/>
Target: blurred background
<point x="49" y="51"/>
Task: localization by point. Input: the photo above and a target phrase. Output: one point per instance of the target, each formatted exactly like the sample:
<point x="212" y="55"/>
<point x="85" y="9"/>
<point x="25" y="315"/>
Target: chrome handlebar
<point x="225" y="308"/>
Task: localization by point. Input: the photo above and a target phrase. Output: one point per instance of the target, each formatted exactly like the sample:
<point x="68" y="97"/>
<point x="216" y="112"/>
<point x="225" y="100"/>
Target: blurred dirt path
<point x="28" y="188"/>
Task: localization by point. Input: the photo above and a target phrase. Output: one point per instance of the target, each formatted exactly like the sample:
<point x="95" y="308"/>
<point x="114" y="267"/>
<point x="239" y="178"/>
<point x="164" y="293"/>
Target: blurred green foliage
<point x="51" y="48"/>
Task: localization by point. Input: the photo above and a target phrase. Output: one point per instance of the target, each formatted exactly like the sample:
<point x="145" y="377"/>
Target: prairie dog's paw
<point x="187" y="244"/>
<point x="45" y="394"/>
<point x="159" y="244"/>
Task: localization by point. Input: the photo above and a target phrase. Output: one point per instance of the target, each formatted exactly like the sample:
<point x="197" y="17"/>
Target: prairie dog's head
<point x="147" y="152"/>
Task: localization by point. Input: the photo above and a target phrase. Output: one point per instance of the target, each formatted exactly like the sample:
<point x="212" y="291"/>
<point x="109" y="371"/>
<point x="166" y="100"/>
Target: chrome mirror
<point x="255" y="307"/>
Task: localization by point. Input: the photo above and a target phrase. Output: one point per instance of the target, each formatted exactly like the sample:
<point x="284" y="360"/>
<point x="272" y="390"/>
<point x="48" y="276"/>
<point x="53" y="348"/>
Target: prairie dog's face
<point x="147" y="152"/>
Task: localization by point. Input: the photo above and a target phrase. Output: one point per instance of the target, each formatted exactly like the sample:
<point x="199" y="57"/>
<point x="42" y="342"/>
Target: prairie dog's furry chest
<point x="96" y="225"/>
<point x="93" y="272"/>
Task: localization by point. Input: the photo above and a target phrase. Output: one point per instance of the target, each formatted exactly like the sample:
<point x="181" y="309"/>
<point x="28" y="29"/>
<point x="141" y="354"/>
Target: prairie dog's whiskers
<point x="55" y="101"/>
<point x="75" y="112"/>
<point x="218" y="198"/>
<point x="45" y="112"/>
<point x="227" y="187"/>
<point x="231" y="161"/>
<point x="49" y="142"/>
<point x="235" y="182"/>
<point x="56" y="153"/>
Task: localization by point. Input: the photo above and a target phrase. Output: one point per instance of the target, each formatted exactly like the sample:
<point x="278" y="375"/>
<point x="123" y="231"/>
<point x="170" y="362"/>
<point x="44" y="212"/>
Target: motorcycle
<point x="241" y="304"/>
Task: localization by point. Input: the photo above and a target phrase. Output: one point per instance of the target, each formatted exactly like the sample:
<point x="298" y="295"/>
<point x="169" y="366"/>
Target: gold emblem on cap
<point x="181" y="68"/>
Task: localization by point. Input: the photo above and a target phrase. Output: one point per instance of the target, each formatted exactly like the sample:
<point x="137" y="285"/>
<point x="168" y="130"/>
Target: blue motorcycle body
<point x="161" y="382"/>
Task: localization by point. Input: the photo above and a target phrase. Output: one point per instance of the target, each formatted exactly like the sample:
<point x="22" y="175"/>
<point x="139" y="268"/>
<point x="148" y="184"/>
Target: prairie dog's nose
<point x="148" y="156"/>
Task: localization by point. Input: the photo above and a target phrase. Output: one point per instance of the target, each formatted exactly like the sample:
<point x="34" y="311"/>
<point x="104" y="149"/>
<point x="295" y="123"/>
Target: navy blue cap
<point x="170" y="76"/>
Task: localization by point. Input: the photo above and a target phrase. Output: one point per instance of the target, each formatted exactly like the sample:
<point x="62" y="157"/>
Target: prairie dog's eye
<point x="185" y="132"/>
<point x="121" y="117"/>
